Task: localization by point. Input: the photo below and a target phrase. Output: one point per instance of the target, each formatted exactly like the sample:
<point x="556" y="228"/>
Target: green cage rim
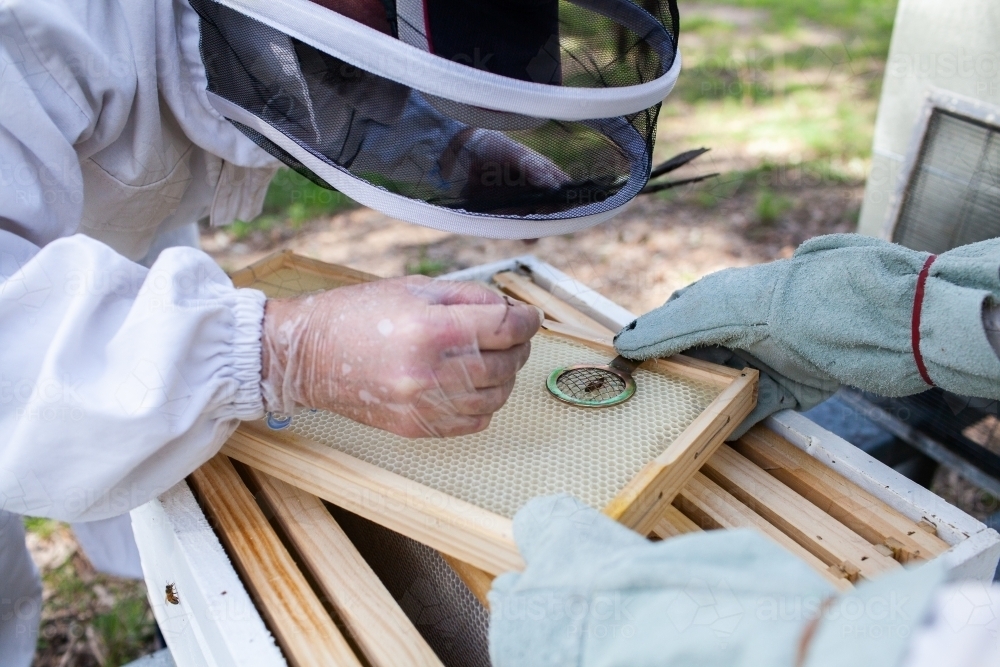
<point x="623" y="396"/>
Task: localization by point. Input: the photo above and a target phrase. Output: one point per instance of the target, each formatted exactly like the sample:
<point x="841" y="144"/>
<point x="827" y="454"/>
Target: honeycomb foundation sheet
<point x="535" y="445"/>
<point x="289" y="281"/>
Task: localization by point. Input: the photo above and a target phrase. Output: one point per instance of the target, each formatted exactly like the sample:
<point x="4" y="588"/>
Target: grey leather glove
<point x="845" y="309"/>
<point x="596" y="594"/>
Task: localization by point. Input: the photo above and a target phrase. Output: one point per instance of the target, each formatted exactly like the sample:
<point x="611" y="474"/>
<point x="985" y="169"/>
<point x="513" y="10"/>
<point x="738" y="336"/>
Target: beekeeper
<point x="845" y="309"/>
<point x="123" y="368"/>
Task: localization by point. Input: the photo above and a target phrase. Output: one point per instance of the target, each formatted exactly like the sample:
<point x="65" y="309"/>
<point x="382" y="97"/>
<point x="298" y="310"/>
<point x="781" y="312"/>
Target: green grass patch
<point x="126" y="630"/>
<point x="769" y="206"/>
<point x="292" y="200"/>
<point x="869" y="20"/>
<point x="88" y="616"/>
<point x="41" y="526"/>
<point x="766" y="180"/>
<point x="426" y="266"/>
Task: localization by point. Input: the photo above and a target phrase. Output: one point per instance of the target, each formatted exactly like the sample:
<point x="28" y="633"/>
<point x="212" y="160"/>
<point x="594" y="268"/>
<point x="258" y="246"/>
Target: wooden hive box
<point x="459" y="494"/>
<point x="847" y="515"/>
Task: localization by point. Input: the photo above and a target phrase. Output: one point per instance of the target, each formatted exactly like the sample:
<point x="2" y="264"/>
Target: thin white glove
<point x="410" y="355"/>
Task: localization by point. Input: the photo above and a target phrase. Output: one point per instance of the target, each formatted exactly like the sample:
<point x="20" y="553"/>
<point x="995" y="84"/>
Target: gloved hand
<point x="595" y="594"/>
<point x="512" y="163"/>
<point x="840" y="311"/>
<point x="410" y="355"/>
<point x="493" y="173"/>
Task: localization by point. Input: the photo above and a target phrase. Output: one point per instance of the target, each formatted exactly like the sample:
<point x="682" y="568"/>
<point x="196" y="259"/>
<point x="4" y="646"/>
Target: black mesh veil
<point x="524" y="160"/>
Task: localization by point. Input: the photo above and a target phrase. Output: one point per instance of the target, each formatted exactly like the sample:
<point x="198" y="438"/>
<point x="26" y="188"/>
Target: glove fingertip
<point x="628" y="327"/>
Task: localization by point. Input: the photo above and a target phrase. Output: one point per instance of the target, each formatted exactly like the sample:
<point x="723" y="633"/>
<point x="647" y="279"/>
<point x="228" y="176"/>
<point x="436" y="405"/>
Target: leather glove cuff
<point x="948" y="329"/>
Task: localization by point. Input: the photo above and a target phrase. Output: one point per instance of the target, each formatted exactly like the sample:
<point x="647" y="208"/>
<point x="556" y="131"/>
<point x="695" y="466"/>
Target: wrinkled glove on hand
<point x="845" y="309"/>
<point x="596" y="594"/>
<point x="413" y="356"/>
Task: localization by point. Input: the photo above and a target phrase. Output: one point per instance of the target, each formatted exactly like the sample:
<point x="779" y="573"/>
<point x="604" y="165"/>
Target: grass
<point x="764" y="178"/>
<point x="426" y="266"/>
<point x="88" y="619"/>
<point x="785" y="91"/>
<point x="42" y="527"/>
<point x="867" y="20"/>
<point x="769" y="206"/>
<point x="126" y="630"/>
<point x="291" y="201"/>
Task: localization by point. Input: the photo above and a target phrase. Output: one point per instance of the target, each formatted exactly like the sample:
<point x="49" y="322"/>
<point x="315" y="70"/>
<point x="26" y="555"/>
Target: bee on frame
<point x="171" y="594"/>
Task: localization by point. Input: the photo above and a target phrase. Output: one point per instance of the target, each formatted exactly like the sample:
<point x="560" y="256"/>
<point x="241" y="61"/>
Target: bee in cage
<point x="171" y="594"/>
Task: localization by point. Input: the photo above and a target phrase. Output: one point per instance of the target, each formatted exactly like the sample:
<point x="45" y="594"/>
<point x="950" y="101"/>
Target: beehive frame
<point x="455" y="527"/>
<point x="216" y="622"/>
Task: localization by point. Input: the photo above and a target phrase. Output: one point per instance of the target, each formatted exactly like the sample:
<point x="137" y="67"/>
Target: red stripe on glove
<point x="918" y="304"/>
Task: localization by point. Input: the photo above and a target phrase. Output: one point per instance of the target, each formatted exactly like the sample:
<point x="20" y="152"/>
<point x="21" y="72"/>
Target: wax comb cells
<point x="535" y="444"/>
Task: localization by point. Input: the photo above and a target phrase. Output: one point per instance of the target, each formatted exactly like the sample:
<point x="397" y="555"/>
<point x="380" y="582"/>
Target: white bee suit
<point x="116" y="380"/>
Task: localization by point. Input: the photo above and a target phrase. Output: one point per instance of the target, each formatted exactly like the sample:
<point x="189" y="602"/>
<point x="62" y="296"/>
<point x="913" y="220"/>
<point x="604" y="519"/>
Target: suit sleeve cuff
<point x="248" y="312"/>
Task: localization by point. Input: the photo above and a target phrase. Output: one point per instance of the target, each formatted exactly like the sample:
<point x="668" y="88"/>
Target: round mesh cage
<point x="501" y="118"/>
<point x="590" y="386"/>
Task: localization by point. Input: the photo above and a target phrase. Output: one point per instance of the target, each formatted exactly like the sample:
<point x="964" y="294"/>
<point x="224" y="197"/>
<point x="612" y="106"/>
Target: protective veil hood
<point x="499" y="118"/>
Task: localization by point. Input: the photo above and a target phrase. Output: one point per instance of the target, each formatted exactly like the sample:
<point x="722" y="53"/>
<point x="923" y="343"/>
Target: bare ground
<point x="656" y="246"/>
<point x="88" y="619"/>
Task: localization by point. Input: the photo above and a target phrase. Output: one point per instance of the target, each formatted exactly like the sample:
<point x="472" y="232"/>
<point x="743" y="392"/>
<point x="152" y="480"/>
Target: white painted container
<point x="951" y="46"/>
<point x="216" y="623"/>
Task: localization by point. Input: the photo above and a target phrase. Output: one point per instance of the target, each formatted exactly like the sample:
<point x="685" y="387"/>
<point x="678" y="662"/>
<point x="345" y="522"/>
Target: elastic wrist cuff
<point x="248" y="314"/>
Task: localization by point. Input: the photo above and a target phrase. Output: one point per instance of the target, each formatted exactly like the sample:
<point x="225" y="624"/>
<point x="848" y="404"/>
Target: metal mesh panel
<point x="535" y="445"/>
<point x="439" y="605"/>
<point x="592" y="384"/>
<point x="953" y="197"/>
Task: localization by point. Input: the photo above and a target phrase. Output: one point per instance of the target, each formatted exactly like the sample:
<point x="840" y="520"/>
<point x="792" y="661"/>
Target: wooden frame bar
<point x="712" y="507"/>
<point x="259" y="271"/>
<point x="811" y="527"/>
<point x="555" y="308"/>
<point x="643" y="500"/>
<point x="456" y="528"/>
<point x="848" y="503"/>
<point x="374" y="620"/>
<point x="674" y="523"/>
<point x="450" y="525"/>
<point x="306" y="633"/>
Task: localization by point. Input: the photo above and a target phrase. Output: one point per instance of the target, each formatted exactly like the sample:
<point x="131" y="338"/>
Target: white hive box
<point x="220" y="623"/>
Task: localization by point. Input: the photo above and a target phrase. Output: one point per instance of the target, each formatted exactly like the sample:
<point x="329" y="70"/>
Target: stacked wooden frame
<point x="323" y="602"/>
